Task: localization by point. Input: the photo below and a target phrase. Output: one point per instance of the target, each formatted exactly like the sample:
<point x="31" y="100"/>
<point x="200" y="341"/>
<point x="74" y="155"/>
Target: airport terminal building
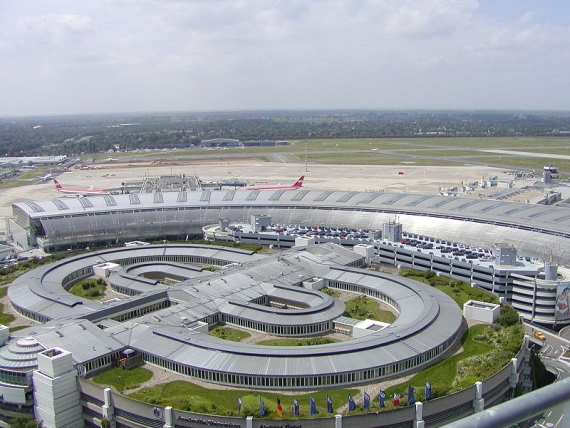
<point x="538" y="232"/>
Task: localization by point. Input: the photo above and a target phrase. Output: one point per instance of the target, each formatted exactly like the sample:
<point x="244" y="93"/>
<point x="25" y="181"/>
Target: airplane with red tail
<point x="79" y="192"/>
<point x="298" y="184"/>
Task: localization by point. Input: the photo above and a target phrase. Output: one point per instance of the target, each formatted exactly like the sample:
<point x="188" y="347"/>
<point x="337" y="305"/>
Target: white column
<point x="419" y="421"/>
<point x="108" y="409"/>
<point x="168" y="417"/>
<point x="337" y="421"/>
<point x="514" y="377"/>
<point x="479" y="401"/>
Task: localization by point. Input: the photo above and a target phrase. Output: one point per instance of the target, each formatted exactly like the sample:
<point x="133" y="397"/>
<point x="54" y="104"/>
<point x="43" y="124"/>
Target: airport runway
<point x="395" y="178"/>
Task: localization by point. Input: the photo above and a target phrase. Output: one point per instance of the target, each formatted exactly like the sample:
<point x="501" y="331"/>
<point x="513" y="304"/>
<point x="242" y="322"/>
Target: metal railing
<point x="519" y="409"/>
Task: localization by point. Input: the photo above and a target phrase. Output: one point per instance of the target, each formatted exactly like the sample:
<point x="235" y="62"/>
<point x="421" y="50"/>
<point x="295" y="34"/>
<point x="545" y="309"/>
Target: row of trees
<point x="71" y="135"/>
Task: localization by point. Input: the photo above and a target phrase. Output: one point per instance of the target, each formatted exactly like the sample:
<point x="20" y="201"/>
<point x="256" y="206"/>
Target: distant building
<point x="262" y="143"/>
<point x="219" y="142"/>
<point x="550" y="174"/>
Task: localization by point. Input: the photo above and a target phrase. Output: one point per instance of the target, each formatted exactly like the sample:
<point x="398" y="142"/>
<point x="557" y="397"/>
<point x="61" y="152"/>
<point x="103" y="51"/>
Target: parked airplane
<point x="297" y="185"/>
<point x="79" y="192"/>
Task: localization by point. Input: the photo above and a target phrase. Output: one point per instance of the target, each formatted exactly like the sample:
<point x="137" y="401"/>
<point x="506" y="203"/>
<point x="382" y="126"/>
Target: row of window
<point x="355" y="288"/>
<point x="490" y="281"/>
<point x="189" y="259"/>
<point x="374" y="373"/>
<point x="15" y="378"/>
<point x="103" y="361"/>
<point x="29" y="314"/>
<point x="279" y="330"/>
<point x="135" y="313"/>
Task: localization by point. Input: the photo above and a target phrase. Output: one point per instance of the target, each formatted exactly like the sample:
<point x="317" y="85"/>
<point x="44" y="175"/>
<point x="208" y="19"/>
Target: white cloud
<point x="225" y="54"/>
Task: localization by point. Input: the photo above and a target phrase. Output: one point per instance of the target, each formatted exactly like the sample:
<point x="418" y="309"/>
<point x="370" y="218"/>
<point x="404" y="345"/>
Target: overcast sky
<point x="79" y="56"/>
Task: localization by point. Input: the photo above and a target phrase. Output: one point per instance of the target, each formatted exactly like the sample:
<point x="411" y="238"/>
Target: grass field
<point x="89" y="288"/>
<point x="297" y="342"/>
<point x="367" y="151"/>
<point x="457" y="290"/>
<point x="486" y="350"/>
<point x="190" y="397"/>
<point x="505" y="143"/>
<point x="5" y="319"/>
<point x="123" y="380"/>
<point x="363" y="307"/>
<point x="227" y="333"/>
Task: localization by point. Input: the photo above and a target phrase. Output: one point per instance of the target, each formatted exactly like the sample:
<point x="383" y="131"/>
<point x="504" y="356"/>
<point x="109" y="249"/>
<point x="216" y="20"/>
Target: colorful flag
<point x="396" y="399"/>
<point x="295" y="407"/>
<point x="381" y="398"/>
<point x="313" y="406"/>
<point x="411" y="398"/>
<point x="366" y="401"/>
<point x="329" y="405"/>
<point x="239" y="404"/>
<point x="351" y="404"/>
<point x="428" y="391"/>
<point x="279" y="408"/>
<point x="261" y="407"/>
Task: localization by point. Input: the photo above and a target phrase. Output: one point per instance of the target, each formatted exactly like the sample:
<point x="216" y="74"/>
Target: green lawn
<point x="227" y="333"/>
<point x="456" y="289"/>
<point x="461" y="293"/>
<point x="5" y="319"/>
<point x="486" y="350"/>
<point x="376" y="158"/>
<point x="504" y="143"/>
<point x="442" y="374"/>
<point x="363" y="307"/>
<point x="89" y="288"/>
<point x="121" y="379"/>
<point x="187" y="396"/>
<point x="331" y="292"/>
<point x="297" y="342"/>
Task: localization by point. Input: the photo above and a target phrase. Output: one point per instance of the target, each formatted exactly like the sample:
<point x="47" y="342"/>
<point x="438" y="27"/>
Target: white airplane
<point x="80" y="192"/>
<point x="46" y="177"/>
<point x="297" y="185"/>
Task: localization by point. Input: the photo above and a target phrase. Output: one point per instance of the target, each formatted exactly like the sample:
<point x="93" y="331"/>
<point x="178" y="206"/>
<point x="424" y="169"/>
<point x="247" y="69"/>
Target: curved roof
<point x="427" y="320"/>
<point x="556" y="219"/>
<point x="537" y="230"/>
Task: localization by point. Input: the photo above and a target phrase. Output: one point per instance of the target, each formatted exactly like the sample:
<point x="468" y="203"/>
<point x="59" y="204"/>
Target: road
<point x="551" y="354"/>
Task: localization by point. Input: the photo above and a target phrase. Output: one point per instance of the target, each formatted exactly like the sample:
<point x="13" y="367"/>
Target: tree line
<point x="74" y="135"/>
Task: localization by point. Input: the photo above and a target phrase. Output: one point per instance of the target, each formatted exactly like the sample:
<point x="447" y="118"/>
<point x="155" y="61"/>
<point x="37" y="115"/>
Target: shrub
<point x="508" y="316"/>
